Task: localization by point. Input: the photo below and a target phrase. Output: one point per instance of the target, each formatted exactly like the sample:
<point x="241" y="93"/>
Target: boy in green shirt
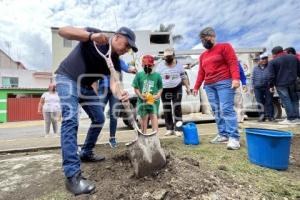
<point x="148" y="87"/>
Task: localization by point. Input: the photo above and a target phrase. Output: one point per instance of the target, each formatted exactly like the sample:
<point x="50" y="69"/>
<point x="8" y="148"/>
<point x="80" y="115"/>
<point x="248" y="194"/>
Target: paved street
<point x="30" y="135"/>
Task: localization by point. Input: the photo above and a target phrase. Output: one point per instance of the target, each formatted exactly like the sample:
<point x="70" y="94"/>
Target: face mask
<point x="207" y="44"/>
<point x="169" y="60"/>
<point x="147" y="70"/>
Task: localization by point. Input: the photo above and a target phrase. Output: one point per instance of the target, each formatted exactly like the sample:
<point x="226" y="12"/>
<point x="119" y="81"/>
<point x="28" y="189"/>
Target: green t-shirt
<point x="147" y="83"/>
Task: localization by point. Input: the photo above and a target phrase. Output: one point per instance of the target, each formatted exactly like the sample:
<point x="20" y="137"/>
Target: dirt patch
<point x="295" y="150"/>
<point x="183" y="178"/>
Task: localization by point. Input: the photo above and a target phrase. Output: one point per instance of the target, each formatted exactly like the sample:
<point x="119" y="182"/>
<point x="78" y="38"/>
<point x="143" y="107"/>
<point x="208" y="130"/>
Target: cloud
<point x="26" y="25"/>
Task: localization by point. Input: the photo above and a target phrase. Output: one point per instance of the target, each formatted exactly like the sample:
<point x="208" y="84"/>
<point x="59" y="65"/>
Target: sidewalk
<point x="123" y="135"/>
<point x="34" y="143"/>
<point x="42" y="143"/>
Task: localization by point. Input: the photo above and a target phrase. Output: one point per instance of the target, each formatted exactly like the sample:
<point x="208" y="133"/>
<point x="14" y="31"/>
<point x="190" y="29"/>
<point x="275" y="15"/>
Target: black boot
<point x="77" y="184"/>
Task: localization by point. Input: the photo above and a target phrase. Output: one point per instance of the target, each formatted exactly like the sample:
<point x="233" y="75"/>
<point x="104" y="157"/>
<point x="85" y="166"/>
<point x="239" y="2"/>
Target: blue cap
<point x="129" y="34"/>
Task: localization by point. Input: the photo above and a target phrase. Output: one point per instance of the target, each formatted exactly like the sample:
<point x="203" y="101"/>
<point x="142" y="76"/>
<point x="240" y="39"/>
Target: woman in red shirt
<point x="218" y="68"/>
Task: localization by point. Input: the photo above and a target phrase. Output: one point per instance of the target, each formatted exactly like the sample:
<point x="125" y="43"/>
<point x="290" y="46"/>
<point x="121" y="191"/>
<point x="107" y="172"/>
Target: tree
<point x="169" y="28"/>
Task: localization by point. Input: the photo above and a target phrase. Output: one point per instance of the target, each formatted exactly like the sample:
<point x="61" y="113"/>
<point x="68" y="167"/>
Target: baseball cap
<point x="262" y="56"/>
<point x="148" y="60"/>
<point x="169" y="52"/>
<point x="277" y="50"/>
<point x="129" y="34"/>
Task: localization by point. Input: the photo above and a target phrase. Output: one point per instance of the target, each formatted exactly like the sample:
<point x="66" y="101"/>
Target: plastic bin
<point x="269" y="148"/>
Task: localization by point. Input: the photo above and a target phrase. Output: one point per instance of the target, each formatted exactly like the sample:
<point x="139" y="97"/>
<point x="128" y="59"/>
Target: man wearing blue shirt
<point x="106" y="96"/>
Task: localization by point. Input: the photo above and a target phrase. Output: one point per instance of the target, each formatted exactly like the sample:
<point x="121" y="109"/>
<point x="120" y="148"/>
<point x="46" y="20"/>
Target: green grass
<point x="235" y="164"/>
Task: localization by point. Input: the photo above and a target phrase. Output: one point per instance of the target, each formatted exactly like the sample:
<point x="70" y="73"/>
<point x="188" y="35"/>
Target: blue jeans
<point x="71" y="95"/>
<point x="106" y="95"/>
<point x="221" y="99"/>
<point x="264" y="98"/>
<point x="289" y="98"/>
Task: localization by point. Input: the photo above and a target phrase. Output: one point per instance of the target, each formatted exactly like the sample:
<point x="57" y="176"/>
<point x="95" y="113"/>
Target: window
<point x="67" y="43"/>
<point x="10" y="82"/>
<point x="160" y="39"/>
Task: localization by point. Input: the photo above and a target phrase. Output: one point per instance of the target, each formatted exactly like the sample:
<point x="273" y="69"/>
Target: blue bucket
<point x="269" y="148"/>
<point x="190" y="134"/>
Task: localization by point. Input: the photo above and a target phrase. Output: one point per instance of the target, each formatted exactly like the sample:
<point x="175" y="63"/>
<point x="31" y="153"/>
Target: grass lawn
<point x="272" y="183"/>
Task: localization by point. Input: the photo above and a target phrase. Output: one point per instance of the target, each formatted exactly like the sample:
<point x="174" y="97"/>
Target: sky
<point x="25" y="25"/>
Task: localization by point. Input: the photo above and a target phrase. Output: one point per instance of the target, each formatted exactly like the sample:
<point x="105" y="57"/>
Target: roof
<point x="13" y="88"/>
<point x="20" y="64"/>
<point x="42" y="74"/>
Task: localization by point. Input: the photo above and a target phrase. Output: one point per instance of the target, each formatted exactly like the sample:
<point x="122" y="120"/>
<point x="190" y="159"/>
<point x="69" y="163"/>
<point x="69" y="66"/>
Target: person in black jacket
<point x="261" y="88"/>
<point x="283" y="71"/>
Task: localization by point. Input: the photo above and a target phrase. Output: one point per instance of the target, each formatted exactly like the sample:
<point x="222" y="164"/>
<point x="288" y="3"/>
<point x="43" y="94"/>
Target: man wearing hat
<point x="263" y="95"/>
<point x="74" y="78"/>
<point x="284" y="70"/>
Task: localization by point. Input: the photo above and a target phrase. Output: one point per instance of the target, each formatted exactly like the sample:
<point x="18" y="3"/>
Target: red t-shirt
<point x="216" y="64"/>
<point x="298" y="56"/>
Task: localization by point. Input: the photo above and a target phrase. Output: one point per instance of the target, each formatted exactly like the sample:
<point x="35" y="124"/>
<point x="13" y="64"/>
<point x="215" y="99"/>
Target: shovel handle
<point x="119" y="90"/>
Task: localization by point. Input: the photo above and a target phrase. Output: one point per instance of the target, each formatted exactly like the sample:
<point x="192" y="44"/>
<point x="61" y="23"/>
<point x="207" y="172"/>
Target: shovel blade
<point x="146" y="155"/>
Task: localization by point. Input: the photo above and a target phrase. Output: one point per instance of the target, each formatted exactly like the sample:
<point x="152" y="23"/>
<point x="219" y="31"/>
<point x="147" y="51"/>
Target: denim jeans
<point x="289" y="98"/>
<point x="106" y="95"/>
<point x="264" y="99"/>
<point x="221" y="98"/>
<point x="71" y="95"/>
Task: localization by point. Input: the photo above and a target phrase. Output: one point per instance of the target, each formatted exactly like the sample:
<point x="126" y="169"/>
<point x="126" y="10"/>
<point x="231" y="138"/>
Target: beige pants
<point x="238" y="105"/>
<point x="51" y="117"/>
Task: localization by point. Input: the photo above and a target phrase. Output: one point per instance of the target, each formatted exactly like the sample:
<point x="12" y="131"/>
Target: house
<point x="148" y="42"/>
<point x="20" y="90"/>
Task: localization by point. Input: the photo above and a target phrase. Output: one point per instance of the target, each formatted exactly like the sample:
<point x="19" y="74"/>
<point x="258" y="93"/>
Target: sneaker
<point x="233" y="144"/>
<point x="112" y="142"/>
<point x="219" y="139"/>
<point x="91" y="158"/>
<point x="169" y="132"/>
<point x="286" y="122"/>
<point x="178" y="133"/>
<point x="271" y="119"/>
<point x="47" y="135"/>
<point x="296" y="121"/>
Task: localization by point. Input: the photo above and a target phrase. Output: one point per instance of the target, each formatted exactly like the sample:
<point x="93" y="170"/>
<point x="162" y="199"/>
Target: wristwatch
<point x="90" y="36"/>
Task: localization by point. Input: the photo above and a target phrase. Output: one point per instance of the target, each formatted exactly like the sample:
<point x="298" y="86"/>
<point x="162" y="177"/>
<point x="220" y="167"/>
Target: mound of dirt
<point x="182" y="178"/>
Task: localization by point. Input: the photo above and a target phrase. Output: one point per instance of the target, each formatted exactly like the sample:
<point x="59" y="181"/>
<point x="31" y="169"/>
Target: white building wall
<point x="26" y="78"/>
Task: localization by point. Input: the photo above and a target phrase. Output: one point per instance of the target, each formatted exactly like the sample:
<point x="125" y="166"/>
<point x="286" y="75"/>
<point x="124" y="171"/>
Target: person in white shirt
<point x="173" y="76"/>
<point x="49" y="105"/>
